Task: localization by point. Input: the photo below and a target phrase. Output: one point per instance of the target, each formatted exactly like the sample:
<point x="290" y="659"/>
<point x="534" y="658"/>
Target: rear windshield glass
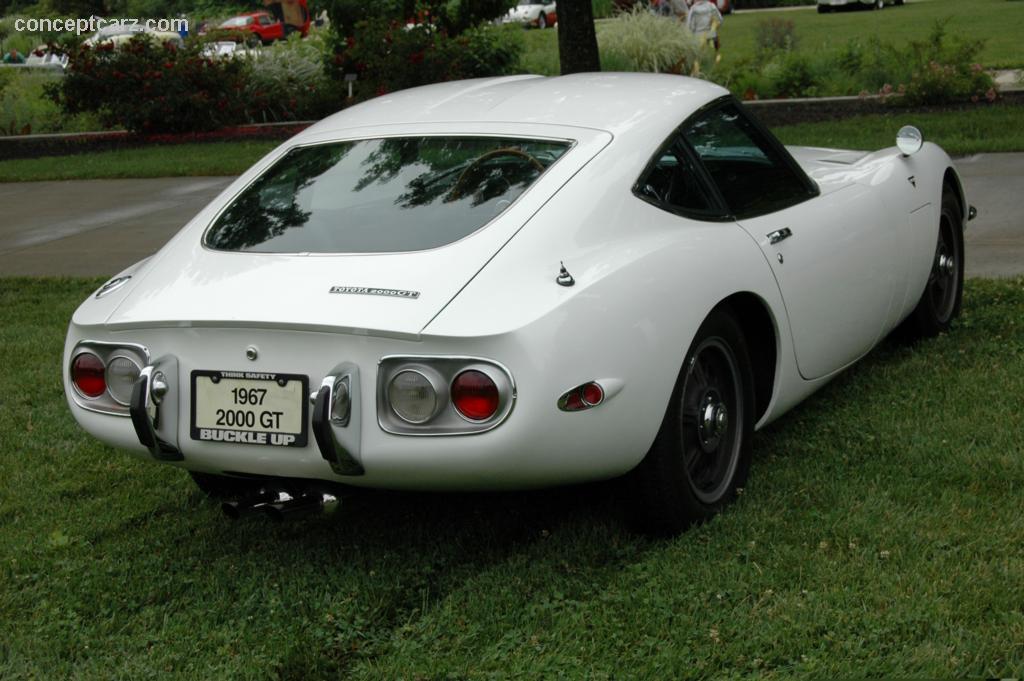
<point x="381" y="195"/>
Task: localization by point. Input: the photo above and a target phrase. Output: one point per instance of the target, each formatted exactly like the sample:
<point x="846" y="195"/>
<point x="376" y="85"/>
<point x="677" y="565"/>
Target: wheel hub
<point x="713" y="422"/>
<point x="946" y="265"/>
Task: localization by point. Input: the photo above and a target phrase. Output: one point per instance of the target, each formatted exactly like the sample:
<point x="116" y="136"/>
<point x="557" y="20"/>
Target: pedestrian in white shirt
<point x="704" y="19"/>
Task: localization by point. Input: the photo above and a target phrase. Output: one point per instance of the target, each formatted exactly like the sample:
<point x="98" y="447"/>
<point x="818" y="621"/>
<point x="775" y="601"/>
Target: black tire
<point x="221" y="487"/>
<point x="942" y="298"/>
<point x="542" y="21"/>
<point x="697" y="462"/>
<point x="879" y="4"/>
<point x="824" y="9"/>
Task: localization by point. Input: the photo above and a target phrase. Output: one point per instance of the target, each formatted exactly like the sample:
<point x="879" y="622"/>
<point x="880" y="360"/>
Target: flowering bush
<point x="389" y="55"/>
<point x="946" y="71"/>
<point x="149" y="87"/>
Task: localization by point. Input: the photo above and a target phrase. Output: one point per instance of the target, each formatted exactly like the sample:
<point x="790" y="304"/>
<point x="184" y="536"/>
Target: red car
<point x="264" y="26"/>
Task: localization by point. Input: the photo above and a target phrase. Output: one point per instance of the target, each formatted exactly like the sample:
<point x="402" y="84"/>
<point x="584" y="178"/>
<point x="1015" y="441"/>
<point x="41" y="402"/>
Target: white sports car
<point x="515" y="283"/>
<point x="536" y="13"/>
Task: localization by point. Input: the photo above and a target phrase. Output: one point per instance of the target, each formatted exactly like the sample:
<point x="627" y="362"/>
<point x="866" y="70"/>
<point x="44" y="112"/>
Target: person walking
<point x="703" y="20"/>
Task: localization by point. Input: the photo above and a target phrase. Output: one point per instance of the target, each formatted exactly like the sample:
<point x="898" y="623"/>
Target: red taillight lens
<point x="592" y="394"/>
<point x="87" y="373"/>
<point x="475" y="395"/>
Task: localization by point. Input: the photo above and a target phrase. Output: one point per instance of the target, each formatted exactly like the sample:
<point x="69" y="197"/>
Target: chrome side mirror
<point x="909" y="140"/>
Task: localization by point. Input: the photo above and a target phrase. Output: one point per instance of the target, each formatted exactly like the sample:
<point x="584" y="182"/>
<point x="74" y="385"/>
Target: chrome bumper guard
<point x="335" y="425"/>
<point x="153" y="415"/>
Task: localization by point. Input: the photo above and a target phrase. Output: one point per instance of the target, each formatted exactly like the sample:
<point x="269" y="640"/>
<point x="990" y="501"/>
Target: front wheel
<point x="942" y="298"/>
<point x="542" y="22"/>
<point x="879" y="4"/>
<point x="701" y="455"/>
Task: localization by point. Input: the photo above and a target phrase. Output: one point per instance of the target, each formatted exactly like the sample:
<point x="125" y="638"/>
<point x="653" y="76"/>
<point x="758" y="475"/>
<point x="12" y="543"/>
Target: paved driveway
<point x="99" y="227"/>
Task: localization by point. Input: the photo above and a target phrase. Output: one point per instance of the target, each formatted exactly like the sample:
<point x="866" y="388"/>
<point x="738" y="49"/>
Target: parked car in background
<point x="536" y="13"/>
<point x="829" y="5"/>
<point x="516" y="283"/>
<point x="254" y="26"/>
<point x="118" y="34"/>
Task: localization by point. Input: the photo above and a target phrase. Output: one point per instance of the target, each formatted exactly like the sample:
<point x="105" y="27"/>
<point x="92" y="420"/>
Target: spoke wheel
<point x="710" y="419"/>
<point x="701" y="454"/>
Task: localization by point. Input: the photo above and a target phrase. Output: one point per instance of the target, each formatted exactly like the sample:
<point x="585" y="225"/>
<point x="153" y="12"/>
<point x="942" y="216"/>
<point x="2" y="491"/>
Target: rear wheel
<point x="701" y="455"/>
<point x="942" y="298"/>
<point x="542" y="22"/>
<point x="824" y="9"/>
<point x="879" y="4"/>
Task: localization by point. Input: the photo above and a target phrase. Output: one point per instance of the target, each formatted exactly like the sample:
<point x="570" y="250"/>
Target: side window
<point x="752" y="176"/>
<point x="673" y="182"/>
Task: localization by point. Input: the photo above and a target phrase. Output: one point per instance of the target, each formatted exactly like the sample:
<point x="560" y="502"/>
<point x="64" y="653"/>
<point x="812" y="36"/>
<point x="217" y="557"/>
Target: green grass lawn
<point x="982" y="129"/>
<point x="998" y="22"/>
<point x="972" y="131"/>
<point x="880" y="534"/>
<point x="213" y="158"/>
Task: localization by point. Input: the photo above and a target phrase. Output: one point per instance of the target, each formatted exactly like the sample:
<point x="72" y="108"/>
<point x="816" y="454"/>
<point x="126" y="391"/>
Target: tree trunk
<point x="577" y="39"/>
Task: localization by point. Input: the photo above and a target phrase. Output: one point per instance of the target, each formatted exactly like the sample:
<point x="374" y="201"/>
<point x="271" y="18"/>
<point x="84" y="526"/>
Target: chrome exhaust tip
<point x="304" y="505"/>
<point x="250" y="504"/>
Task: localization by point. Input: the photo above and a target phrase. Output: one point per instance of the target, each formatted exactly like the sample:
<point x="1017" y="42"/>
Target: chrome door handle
<point x="779" y="234"/>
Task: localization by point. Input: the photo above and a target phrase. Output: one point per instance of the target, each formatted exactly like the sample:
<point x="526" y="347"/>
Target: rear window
<point x="381" y="195"/>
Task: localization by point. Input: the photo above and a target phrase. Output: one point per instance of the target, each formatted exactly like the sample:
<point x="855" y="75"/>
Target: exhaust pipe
<point x="287" y="506"/>
<point x="250" y="504"/>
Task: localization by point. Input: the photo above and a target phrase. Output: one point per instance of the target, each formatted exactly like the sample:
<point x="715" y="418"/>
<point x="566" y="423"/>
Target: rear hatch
<point x="190" y="284"/>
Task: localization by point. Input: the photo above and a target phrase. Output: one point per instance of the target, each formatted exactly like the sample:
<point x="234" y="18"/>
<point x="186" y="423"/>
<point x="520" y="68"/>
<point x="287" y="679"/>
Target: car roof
<point x="616" y="102"/>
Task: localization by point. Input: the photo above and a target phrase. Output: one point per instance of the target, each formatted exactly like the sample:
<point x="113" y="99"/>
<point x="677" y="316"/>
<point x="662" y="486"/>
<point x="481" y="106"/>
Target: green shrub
<point x="388" y="56"/>
<point x="946" y="71"/>
<point x="144" y="86"/>
<point x="648" y="42"/>
<point x="290" y="81"/>
<point x="451" y="16"/>
<point x="25" y="108"/>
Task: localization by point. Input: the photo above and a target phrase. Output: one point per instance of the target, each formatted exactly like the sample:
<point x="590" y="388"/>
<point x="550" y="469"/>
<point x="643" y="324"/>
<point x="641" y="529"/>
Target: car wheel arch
<point x="760" y="331"/>
<point x="951" y="182"/>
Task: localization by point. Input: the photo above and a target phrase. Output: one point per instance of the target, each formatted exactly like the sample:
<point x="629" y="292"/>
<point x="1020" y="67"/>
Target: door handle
<point x="779" y="234"/>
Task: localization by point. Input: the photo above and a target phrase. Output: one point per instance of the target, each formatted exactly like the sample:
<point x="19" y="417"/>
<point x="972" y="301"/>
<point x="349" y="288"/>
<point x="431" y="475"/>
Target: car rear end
<point x="285" y="333"/>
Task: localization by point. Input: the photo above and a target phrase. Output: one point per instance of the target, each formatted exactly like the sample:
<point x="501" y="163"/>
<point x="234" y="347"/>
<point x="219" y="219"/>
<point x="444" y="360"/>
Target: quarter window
<point x="674" y="183"/>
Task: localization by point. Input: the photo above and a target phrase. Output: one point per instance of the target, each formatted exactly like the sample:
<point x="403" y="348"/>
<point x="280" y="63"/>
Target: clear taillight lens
<point x="121" y="376"/>
<point x="475" y="395"/>
<point x="87" y="373"/>
<point x="412" y="397"/>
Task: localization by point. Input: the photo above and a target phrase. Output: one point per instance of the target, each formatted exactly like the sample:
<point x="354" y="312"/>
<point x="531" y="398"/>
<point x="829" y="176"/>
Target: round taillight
<point x="87" y="373"/>
<point x="592" y="394"/>
<point x="412" y="397"/>
<point x="121" y="375"/>
<point x="475" y="395"/>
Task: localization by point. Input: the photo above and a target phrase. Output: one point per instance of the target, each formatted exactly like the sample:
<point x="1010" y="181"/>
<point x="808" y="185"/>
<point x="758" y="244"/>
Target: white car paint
<point x="645" y="280"/>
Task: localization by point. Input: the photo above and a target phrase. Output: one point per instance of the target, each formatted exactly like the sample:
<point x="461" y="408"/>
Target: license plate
<point x="252" y="408"/>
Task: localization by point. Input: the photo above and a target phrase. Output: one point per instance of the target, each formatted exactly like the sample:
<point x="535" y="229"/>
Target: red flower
<point x="168" y="65"/>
